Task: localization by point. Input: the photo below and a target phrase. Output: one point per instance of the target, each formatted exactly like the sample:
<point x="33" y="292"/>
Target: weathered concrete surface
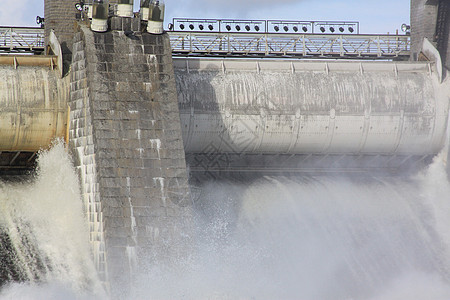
<point x="299" y="107"/>
<point x="33" y="106"/>
<point x="125" y="135"/>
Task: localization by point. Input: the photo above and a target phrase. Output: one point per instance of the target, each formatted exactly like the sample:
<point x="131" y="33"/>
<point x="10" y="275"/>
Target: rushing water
<point x="272" y="237"/>
<point x="48" y="233"/>
<point x="317" y="237"/>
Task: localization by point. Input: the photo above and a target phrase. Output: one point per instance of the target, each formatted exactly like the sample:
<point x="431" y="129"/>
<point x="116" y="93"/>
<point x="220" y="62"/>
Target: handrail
<point x="21" y="39"/>
<point x="301" y="45"/>
<point x="289" y="45"/>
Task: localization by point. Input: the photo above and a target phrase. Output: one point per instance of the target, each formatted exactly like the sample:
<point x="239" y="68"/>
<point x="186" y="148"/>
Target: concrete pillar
<point x="443" y="32"/>
<point x="423" y="24"/>
<point x="61" y="17"/>
<point x="125" y="136"/>
<point x="431" y="19"/>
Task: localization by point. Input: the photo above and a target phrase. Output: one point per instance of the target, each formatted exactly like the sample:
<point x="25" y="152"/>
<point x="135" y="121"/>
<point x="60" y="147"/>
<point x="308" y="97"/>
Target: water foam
<point x="47" y="211"/>
<point x="315" y="237"/>
<point x="275" y="237"/>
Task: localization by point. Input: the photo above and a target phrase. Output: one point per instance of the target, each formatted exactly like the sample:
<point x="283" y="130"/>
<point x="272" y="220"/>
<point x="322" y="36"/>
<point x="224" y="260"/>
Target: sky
<point x="375" y="16"/>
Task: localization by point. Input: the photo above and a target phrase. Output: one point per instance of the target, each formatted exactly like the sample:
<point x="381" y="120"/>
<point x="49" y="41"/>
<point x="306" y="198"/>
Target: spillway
<point x="244" y="135"/>
<point x="258" y="237"/>
<point x="203" y="178"/>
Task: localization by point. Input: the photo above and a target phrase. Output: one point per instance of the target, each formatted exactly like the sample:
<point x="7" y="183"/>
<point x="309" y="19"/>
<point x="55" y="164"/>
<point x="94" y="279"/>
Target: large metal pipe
<point x="272" y="107"/>
<point x="298" y="107"/>
<point x="33" y="106"/>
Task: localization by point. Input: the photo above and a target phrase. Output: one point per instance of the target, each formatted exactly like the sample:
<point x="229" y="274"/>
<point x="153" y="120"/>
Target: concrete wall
<point x="33" y="103"/>
<point x="126" y="138"/>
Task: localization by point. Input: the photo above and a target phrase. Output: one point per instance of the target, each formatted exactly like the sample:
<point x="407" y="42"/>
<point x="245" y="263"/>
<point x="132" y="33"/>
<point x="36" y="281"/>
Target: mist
<point x="257" y="237"/>
<point x="314" y="237"/>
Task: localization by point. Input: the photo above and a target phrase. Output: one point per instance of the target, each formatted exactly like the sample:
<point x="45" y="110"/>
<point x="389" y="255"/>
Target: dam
<point x="149" y="123"/>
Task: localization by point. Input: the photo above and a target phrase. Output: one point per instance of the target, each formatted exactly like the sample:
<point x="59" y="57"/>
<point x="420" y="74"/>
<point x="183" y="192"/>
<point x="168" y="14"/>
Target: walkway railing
<point x="233" y="44"/>
<point x="21" y="39"/>
<point x="289" y="45"/>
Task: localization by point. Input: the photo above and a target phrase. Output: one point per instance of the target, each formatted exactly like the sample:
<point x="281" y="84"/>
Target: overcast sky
<point x="375" y="16"/>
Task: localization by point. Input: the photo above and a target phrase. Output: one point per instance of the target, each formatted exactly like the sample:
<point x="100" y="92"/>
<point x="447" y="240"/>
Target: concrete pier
<point x="126" y="140"/>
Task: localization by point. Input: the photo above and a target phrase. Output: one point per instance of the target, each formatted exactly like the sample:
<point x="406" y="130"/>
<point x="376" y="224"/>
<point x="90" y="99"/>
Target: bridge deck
<point x="233" y="44"/>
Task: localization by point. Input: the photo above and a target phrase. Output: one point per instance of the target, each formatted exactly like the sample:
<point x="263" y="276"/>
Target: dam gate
<point x="137" y="109"/>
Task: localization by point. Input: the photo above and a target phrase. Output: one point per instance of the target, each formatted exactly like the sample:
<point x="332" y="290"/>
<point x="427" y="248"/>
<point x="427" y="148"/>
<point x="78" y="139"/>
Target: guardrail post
<point x="388" y="45"/>
<point x="304" y="45"/>
<point x="267" y="44"/>
<point x="379" y="46"/>
<point x="10" y="40"/>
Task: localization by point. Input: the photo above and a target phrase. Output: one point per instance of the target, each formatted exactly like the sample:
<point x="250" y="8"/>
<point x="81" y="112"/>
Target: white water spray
<point x="47" y="212"/>
<point x="315" y="237"/>
<point x="275" y="237"/>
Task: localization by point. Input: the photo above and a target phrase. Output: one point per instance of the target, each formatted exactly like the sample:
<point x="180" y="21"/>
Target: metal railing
<point x="31" y="40"/>
<point x="289" y="45"/>
<point x="21" y="39"/>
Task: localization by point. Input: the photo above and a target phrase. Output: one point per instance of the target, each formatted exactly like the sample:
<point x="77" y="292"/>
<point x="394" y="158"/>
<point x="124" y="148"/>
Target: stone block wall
<point x="81" y="144"/>
<point x="126" y="137"/>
